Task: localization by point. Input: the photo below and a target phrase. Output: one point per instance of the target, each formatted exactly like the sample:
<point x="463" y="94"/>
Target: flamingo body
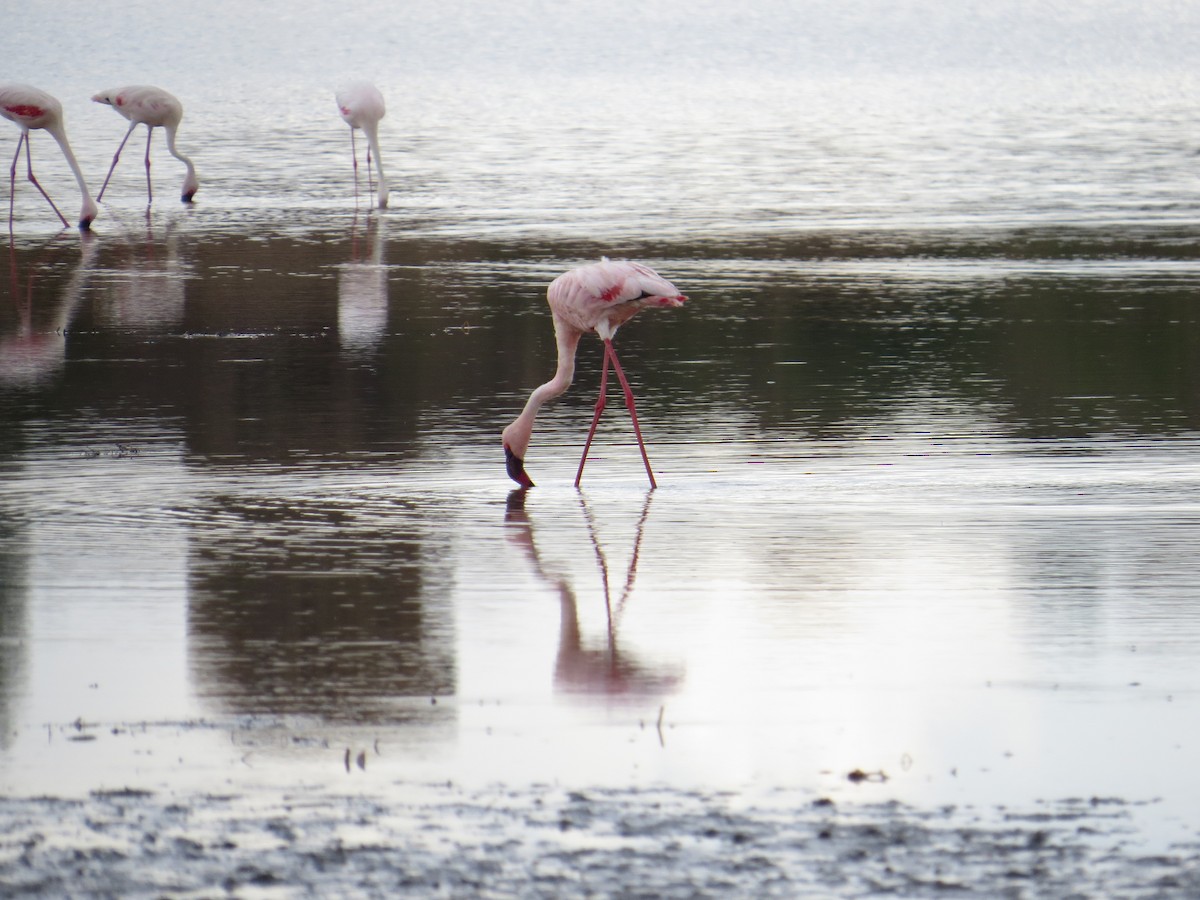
<point x="361" y="107"/>
<point x="597" y="298"/>
<point x="31" y="109"/>
<point x="143" y="104"/>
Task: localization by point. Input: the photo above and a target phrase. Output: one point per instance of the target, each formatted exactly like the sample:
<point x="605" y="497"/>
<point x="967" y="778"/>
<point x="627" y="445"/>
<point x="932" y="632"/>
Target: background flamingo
<point x="153" y="107"/>
<point x="595" y="298"/>
<point x="361" y="106"/>
<point x="30" y="108"/>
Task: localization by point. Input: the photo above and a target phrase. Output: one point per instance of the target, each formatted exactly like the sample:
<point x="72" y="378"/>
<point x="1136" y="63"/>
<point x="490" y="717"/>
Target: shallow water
<point x="925" y="434"/>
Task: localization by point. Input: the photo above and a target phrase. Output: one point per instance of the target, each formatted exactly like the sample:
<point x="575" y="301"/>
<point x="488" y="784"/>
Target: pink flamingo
<point x="598" y="298"/>
<point x="361" y="106"/>
<point x="30" y="108"/>
<point x="153" y="107"/>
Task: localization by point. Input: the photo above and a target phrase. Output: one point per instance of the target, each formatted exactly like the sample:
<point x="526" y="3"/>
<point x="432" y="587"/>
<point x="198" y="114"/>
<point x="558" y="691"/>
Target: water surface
<point x="926" y="432"/>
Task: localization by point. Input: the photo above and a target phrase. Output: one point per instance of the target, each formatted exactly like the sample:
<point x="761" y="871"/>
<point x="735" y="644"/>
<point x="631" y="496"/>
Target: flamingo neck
<point x="88" y="211"/>
<point x="517" y="435"/>
<point x="190" y="183"/>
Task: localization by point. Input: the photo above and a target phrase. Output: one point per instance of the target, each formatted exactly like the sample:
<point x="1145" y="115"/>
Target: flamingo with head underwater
<point x="597" y="298"/>
<point x="29" y="109"/>
<point x="361" y="106"/>
<point x="153" y="107"/>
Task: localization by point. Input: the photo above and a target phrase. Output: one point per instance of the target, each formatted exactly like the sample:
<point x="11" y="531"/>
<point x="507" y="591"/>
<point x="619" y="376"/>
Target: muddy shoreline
<point x="544" y="841"/>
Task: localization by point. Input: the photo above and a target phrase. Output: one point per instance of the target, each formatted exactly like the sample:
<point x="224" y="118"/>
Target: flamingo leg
<point x="370" y="177"/>
<point x="354" y="157"/>
<point x="116" y="157"/>
<point x="600" y="404"/>
<point x="149" y="189"/>
<point x="12" y="182"/>
<point x="632" y="412"/>
<point x="36" y="184"/>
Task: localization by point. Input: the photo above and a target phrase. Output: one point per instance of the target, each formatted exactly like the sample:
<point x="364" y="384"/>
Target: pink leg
<point x="29" y="164"/>
<point x="354" y="156"/>
<point x="600" y="404"/>
<point x="12" y="181"/>
<point x="116" y="156"/>
<point x="149" y="189"/>
<point x="370" y="177"/>
<point x="632" y="412"/>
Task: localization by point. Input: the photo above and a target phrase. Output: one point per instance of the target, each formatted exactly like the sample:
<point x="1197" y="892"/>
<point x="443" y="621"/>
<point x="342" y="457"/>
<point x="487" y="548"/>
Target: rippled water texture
<point x="926" y="432"/>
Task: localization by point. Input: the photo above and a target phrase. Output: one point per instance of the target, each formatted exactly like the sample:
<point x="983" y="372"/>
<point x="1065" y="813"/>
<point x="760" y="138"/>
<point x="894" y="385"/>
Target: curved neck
<point x="517" y="435"/>
<point x="191" y="170"/>
<point x="89" y="205"/>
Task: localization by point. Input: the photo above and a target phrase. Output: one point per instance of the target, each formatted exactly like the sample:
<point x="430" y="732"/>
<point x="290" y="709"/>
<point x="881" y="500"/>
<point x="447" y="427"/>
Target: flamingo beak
<point x="516" y="468"/>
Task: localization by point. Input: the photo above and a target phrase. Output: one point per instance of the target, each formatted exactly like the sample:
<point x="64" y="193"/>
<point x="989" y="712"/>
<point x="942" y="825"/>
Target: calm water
<point x="926" y="433"/>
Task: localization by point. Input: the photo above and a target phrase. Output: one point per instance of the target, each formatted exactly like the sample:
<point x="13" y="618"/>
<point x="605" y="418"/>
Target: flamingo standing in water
<point x="153" y="107"/>
<point x="598" y="298"/>
<point x="29" y="108"/>
<point x="361" y="106"/>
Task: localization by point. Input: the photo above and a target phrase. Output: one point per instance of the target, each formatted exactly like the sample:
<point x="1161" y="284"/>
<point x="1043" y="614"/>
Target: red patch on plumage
<point x="120" y="101"/>
<point x="611" y="294"/>
<point x="26" y="111"/>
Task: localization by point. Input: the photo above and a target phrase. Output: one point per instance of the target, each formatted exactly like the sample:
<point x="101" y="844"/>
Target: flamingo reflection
<point x="589" y="666"/>
<point x="146" y="291"/>
<point x="35" y="349"/>
<point x="363" y="293"/>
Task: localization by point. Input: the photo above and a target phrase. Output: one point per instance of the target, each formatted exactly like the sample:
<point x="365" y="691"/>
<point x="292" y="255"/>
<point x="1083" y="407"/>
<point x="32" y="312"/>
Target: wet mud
<point x="445" y="840"/>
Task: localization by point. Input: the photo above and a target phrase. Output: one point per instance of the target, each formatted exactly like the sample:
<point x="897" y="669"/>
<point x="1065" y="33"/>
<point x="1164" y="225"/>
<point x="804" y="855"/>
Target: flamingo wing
<point x="28" y="107"/>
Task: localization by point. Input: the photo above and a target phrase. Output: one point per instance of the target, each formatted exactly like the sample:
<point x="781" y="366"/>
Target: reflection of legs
<point x="29" y="164"/>
<point x="600" y="402"/>
<point x="632" y="412"/>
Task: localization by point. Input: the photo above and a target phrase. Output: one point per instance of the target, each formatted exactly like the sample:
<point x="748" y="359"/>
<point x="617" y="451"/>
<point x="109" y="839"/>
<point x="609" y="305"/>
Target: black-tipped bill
<point x="516" y="468"/>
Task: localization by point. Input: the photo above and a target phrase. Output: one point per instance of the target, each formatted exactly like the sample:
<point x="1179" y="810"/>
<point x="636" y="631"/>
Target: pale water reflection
<point x="363" y="290"/>
<point x="892" y="534"/>
<point x="599" y="664"/>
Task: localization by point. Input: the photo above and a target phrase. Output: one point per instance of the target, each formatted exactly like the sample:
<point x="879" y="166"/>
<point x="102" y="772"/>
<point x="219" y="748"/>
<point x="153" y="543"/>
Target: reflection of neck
<point x="576" y="665"/>
<point x="33" y="352"/>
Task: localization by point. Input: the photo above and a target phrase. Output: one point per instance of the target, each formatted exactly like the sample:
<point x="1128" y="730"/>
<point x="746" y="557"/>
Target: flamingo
<point x="598" y="298"/>
<point x="153" y="107"/>
<point x="361" y="106"/>
<point x="30" y="108"/>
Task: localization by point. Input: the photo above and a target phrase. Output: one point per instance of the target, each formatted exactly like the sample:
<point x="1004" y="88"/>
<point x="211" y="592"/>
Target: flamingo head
<point x="191" y="184"/>
<point x="88" y="214"/>
<point x="516" y="468"/>
<point x="668" y="301"/>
